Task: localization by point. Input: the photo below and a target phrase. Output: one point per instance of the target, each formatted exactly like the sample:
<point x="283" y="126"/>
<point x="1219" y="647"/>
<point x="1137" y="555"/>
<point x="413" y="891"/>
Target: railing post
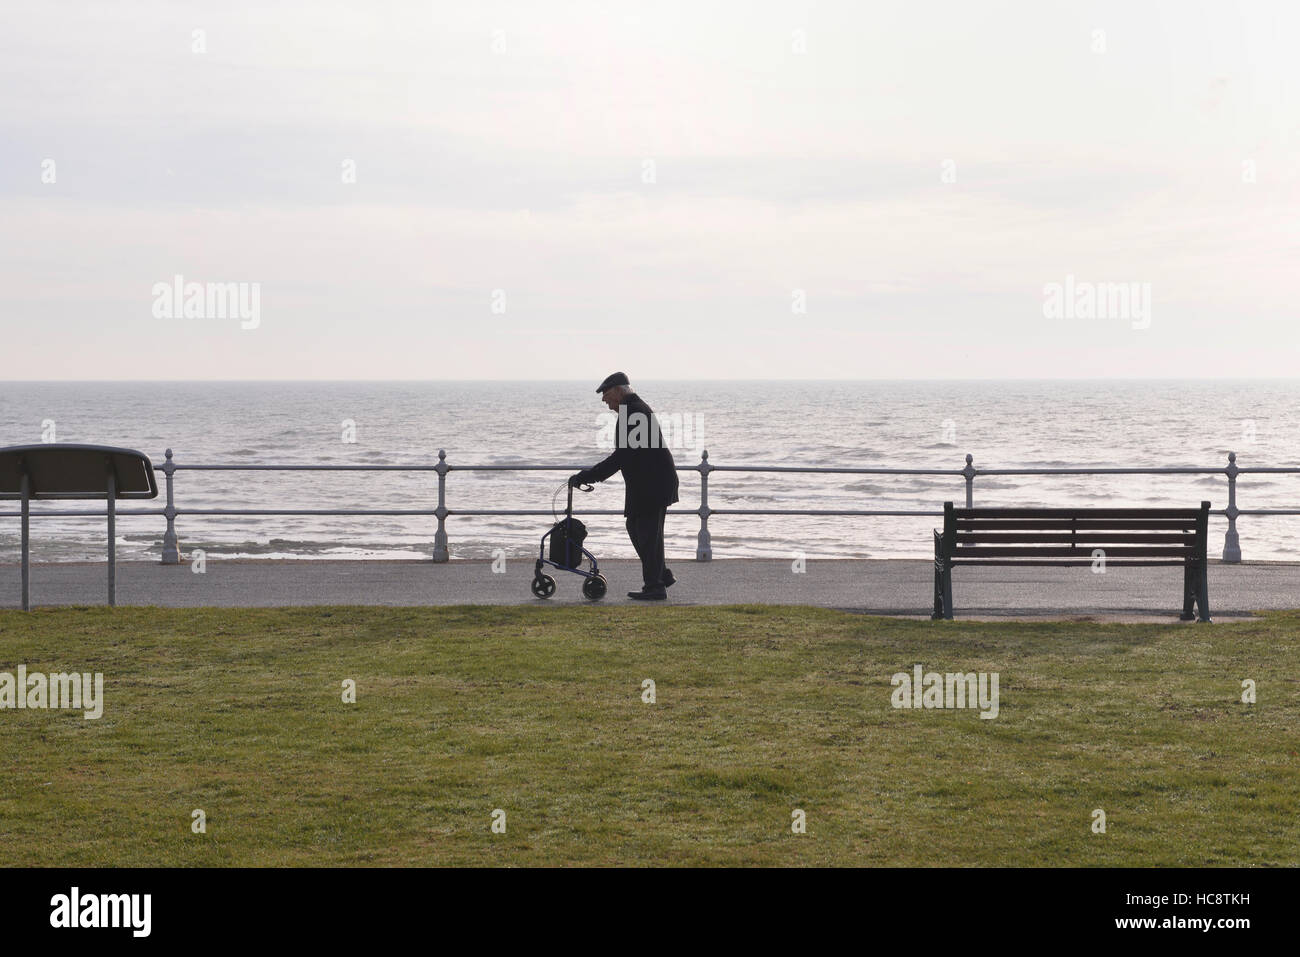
<point x="969" y="472"/>
<point x="1232" y="544"/>
<point x="703" y="543"/>
<point x="170" y="549"/>
<point x="440" y="537"/>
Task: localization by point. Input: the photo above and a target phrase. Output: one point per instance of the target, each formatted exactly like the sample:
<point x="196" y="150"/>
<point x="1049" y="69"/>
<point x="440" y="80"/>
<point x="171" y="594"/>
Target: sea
<point x="781" y="423"/>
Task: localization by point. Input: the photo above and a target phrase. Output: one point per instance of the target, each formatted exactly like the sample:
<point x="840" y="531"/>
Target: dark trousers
<point x="646" y="529"/>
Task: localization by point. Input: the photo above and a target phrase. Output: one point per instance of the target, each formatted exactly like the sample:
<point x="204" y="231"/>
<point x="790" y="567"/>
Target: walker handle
<point x="584" y="488"/>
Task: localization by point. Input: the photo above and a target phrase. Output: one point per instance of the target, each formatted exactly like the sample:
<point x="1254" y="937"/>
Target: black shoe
<point x="650" y="594"/>
<point x="669" y="579"/>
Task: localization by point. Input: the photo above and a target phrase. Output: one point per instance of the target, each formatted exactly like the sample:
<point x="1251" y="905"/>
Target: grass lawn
<point x="538" y="711"/>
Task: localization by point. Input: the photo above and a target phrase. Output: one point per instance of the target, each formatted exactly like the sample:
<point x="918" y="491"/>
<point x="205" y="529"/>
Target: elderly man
<point x="650" y="477"/>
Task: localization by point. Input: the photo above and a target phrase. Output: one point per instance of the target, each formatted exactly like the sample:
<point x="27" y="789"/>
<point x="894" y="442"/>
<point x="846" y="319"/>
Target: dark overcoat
<point x="640" y="453"/>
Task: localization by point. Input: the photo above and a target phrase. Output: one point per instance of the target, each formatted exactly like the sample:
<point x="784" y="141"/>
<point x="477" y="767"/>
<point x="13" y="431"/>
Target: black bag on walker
<point x="567" y="536"/>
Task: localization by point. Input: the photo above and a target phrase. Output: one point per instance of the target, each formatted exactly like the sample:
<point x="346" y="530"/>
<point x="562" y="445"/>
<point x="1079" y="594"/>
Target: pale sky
<point x="914" y="173"/>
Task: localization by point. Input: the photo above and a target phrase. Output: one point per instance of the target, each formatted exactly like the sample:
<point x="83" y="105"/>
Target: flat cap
<point x="617" y="378"/>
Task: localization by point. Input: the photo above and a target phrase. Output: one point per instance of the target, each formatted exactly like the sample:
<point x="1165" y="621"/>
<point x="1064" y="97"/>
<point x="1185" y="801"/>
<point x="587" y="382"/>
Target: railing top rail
<point x="306" y="468"/>
<point x="801" y="469"/>
<point x="89" y="513"/>
<point x="1110" y="470"/>
<point x="837" y="470"/>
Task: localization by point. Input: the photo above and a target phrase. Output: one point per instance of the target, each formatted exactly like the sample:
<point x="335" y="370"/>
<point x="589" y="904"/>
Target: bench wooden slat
<point x="1063" y="562"/>
<point x="1082" y="539"/>
<point x="996" y="551"/>
<point x="1076" y="513"/>
<point x="1065" y="524"/>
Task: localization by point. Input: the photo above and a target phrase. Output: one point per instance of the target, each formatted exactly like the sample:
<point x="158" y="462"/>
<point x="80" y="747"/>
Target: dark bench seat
<point x="1069" y="536"/>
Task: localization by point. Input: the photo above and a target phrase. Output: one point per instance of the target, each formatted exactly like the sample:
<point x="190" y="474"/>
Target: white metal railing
<point x="704" y="547"/>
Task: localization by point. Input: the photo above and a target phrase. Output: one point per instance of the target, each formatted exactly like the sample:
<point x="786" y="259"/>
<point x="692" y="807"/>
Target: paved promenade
<point x="886" y="587"/>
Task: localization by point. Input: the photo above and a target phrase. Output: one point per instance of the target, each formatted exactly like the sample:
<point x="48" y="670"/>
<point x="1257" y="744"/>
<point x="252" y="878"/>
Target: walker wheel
<point x="594" y="588"/>
<point x="543" y="586"/>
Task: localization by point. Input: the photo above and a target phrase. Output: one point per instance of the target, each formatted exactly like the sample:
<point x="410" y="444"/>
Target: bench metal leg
<point x="942" y="582"/>
<point x="112" y="536"/>
<point x="1189" y="591"/>
<point x="937" y="613"/>
<point x="27" y="557"/>
<point x="1203" y="591"/>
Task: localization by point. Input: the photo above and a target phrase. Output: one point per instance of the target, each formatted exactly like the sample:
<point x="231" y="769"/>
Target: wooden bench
<point x="70" y="471"/>
<point x="1069" y="536"/>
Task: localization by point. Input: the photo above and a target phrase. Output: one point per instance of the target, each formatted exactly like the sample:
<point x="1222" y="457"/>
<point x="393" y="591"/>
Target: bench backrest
<point x="68" y="470"/>
<point x="1068" y="536"/>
